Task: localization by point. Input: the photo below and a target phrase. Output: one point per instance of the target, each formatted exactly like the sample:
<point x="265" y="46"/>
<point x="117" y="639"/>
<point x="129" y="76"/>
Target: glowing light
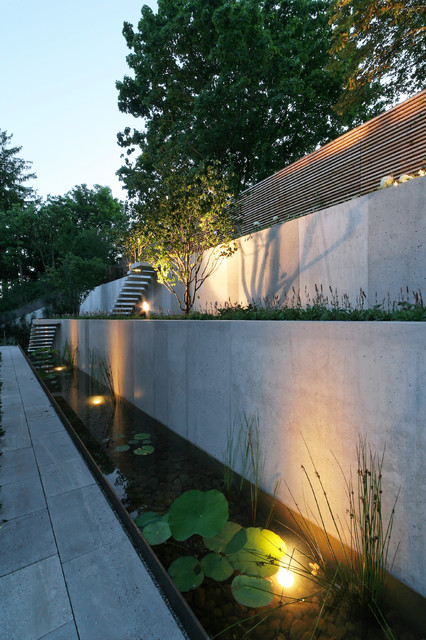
<point x="96" y="400"/>
<point x="61" y="368"/>
<point x="285" y="577"/>
<point x="137" y="270"/>
<point x="145" y="306"/>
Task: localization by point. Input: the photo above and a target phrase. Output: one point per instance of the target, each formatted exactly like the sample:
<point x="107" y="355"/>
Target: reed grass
<point x="354" y="556"/>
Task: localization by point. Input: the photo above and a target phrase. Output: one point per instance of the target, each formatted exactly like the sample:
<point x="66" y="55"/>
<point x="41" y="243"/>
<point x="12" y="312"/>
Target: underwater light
<point x="61" y="368"/>
<point x="285" y="577"/>
<point x="145" y="306"/>
<point x="96" y="400"/>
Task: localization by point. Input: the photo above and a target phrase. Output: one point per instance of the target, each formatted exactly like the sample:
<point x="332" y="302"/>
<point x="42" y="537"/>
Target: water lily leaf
<point x="256" y="551"/>
<point x="186" y="573"/>
<point x="219" y="542"/>
<point x="144" y="451"/>
<point x="142" y="436"/>
<point x="134" y="442"/>
<point x="252" y="591"/>
<point x="122" y="447"/>
<point x="145" y="518"/>
<point x="216" y="567"/>
<point x="202" y="512"/>
<point x="157" y="532"/>
<point x="120" y="435"/>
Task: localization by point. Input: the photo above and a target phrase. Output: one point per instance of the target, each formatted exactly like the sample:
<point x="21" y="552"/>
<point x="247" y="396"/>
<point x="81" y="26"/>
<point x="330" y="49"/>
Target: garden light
<point x="145" y="306"/>
<point x="96" y="400"/>
<point x="285" y="577"/>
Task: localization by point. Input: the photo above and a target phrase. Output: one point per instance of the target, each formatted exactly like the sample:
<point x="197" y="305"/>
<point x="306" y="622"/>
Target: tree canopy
<point x="14" y="173"/>
<point x="381" y="43"/>
<point x="184" y="228"/>
<point x="242" y="82"/>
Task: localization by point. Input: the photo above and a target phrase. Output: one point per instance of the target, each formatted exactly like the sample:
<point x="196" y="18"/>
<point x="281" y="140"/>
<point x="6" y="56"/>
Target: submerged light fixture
<point x="96" y="400"/>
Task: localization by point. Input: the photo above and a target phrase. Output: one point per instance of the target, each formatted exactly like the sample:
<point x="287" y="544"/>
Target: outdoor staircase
<point x="42" y="336"/>
<point x="137" y="282"/>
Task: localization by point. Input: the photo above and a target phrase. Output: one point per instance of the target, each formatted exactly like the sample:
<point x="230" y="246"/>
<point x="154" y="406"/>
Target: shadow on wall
<point x="274" y="262"/>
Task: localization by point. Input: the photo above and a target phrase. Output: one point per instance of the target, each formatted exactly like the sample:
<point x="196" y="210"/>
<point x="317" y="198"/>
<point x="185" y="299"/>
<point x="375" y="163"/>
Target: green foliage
<point x="182" y="220"/>
<point x="252" y="591"/>
<point x="380" y="47"/>
<point x="199" y="512"/>
<point x="186" y="573"/>
<point x="255" y="551"/>
<point x="157" y="531"/>
<point x="219" y="542"/>
<point x="73" y="280"/>
<point x="13" y="175"/>
<point x="241" y="82"/>
<point x="122" y="447"/>
<point x="216" y="567"/>
<point x="144" y="451"/>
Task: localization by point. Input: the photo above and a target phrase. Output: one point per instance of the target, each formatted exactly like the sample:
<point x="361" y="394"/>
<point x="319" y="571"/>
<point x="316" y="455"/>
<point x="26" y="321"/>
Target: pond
<point x="150" y="467"/>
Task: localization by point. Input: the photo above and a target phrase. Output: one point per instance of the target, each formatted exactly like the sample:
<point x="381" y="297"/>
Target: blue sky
<point x="58" y="65"/>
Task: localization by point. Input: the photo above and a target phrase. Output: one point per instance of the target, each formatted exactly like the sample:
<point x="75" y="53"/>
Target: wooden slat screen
<point x="350" y="166"/>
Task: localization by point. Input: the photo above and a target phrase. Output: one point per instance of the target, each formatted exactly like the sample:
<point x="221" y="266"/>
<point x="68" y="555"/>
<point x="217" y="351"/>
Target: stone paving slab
<point x="26" y="540"/>
<point x="67" y="569"/>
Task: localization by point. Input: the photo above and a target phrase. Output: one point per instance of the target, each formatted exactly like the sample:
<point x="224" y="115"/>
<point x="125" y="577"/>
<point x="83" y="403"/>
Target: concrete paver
<point x="67" y="569"/>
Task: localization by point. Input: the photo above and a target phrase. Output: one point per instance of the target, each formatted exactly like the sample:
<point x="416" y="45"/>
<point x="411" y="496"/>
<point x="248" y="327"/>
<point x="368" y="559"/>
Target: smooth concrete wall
<point x="375" y="243"/>
<point x="322" y="383"/>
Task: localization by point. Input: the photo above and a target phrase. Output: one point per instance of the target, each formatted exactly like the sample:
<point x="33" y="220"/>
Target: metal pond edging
<point x="173" y="597"/>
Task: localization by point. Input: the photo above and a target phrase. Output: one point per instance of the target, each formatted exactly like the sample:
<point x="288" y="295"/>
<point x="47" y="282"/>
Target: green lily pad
<point x="145" y="450"/>
<point x="157" y="532"/>
<point x="120" y="435"/>
<point x="256" y="551"/>
<point x="186" y="573"/>
<point x="202" y="512"/>
<point x="142" y="436"/>
<point x="252" y="591"/>
<point x="122" y="447"/>
<point x="219" y="542"/>
<point x="145" y="518"/>
<point x="216" y="567"/>
<point x="134" y="442"/>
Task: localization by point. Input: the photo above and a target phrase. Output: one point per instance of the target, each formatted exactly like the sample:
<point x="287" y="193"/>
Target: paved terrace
<point x="67" y="568"/>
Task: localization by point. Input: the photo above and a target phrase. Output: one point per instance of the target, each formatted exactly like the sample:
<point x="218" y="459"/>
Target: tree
<point x="242" y="82"/>
<point x="73" y="280"/>
<point x="13" y="175"/>
<point x="180" y="226"/>
<point x="379" y="44"/>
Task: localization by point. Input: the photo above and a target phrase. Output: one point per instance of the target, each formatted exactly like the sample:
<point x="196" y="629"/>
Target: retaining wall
<point x="375" y="243"/>
<point x="324" y="382"/>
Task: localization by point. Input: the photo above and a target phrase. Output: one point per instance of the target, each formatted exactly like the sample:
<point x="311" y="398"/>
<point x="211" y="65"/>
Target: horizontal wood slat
<point x="348" y="167"/>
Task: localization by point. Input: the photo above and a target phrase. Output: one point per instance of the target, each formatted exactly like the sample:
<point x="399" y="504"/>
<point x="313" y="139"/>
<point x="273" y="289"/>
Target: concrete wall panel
<point x="322" y="384"/>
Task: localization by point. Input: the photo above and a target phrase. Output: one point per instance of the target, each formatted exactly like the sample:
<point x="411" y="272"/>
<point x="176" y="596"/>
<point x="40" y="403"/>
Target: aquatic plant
<point x="143" y="440"/>
<point x="356" y="570"/>
<point x="253" y="552"/>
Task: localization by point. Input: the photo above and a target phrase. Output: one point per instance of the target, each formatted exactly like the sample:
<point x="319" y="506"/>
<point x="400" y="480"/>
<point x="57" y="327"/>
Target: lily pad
<point x="216" y="567"/>
<point x="256" y="551"/>
<point x="122" y="447"/>
<point x="186" y="573"/>
<point x="202" y="512"/>
<point x="252" y="591"/>
<point x="134" y="442"/>
<point x="157" y="532"/>
<point x="145" y="518"/>
<point x="120" y="435"/>
<point x="142" y="436"/>
<point x="219" y="542"/>
<point x="145" y="450"/>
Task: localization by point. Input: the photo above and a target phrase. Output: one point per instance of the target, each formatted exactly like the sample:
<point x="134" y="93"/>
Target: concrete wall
<point x="326" y="382"/>
<point x="375" y="243"/>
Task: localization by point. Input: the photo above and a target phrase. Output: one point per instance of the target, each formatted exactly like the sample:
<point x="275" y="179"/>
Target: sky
<point x="59" y="62"/>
